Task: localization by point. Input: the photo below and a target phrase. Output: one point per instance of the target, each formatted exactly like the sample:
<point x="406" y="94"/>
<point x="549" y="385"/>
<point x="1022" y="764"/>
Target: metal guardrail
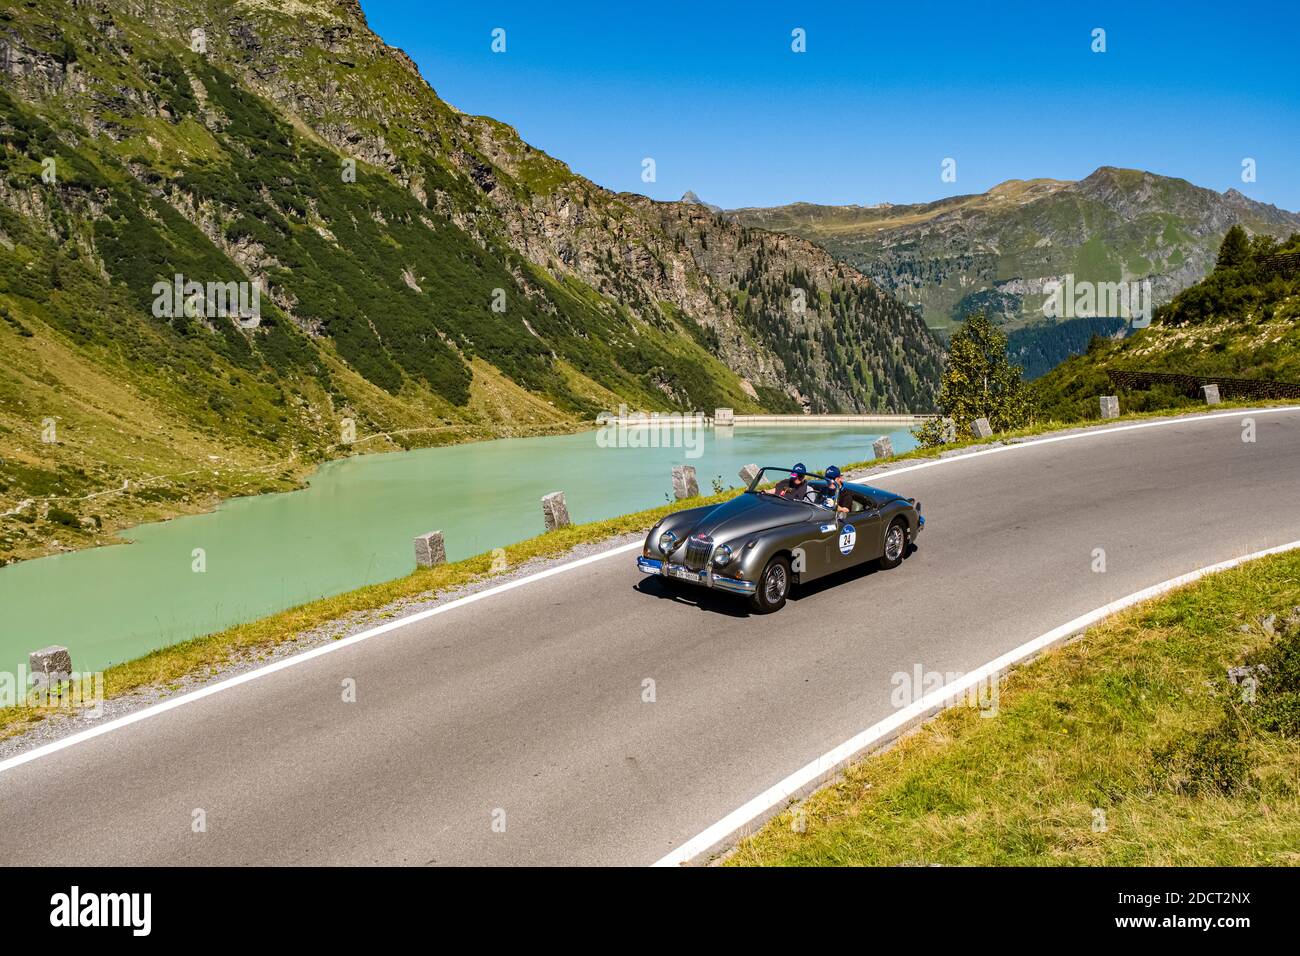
<point x="1284" y="264"/>
<point x="1192" y="384"/>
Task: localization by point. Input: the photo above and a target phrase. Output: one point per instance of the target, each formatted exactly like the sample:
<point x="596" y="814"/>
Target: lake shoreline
<point x="61" y="539"/>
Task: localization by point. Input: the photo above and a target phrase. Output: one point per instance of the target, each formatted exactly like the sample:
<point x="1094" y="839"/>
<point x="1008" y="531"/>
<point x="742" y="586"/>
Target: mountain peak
<point x="1116" y="175"/>
<point x="691" y="199"/>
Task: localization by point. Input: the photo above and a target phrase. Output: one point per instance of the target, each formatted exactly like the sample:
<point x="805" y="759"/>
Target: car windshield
<point x="770" y="476"/>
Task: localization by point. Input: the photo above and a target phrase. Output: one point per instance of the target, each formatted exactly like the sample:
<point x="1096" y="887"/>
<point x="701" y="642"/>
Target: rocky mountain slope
<point x="996" y="250"/>
<point x="424" y="275"/>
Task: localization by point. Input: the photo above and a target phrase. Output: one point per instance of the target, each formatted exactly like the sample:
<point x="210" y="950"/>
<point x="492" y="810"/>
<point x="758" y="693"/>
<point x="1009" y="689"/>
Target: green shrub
<point x="62" y="517"/>
<point x="1216" y="761"/>
<point x="1277" y="688"/>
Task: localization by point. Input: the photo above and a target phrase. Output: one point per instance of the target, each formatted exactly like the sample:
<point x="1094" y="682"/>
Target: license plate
<point x="683" y="574"/>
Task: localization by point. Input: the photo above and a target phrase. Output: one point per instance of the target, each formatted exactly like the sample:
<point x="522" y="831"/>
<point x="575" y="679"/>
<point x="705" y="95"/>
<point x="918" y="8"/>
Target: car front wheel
<point x="773" y="586"/>
<point x="895" y="544"/>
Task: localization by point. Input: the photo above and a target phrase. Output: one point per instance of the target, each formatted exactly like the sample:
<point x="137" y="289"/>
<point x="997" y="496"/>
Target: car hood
<point x="749" y="514"/>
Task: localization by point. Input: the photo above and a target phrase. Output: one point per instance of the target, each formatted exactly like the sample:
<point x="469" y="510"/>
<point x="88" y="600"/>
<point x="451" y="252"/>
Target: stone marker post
<point x="883" y="447"/>
<point x="684" y="483"/>
<point x="980" y="428"/>
<point x="1110" y="406"/>
<point x="554" y="511"/>
<point x="949" y="430"/>
<point x="748" y="474"/>
<point x="1211" y="394"/>
<point x="430" y="550"/>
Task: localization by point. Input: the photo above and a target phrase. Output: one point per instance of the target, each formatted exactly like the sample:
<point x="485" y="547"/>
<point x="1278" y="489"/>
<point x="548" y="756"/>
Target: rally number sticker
<point x="848" y="538"/>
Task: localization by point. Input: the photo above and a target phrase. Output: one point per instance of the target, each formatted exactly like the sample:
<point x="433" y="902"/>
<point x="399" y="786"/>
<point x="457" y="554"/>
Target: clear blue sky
<point x="885" y="92"/>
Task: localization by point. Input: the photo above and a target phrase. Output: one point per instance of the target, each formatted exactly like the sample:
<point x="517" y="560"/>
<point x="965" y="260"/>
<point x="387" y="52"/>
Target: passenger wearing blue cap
<point x="836" y="493"/>
<point x="794" y="487"/>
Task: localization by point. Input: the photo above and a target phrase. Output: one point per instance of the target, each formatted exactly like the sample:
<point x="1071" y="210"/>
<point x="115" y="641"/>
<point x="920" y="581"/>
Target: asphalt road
<point x="531" y="702"/>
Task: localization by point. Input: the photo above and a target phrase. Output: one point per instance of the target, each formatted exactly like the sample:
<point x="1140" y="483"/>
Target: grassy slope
<point x="1103" y="723"/>
<point x="112" y="426"/>
<point x="1262" y="343"/>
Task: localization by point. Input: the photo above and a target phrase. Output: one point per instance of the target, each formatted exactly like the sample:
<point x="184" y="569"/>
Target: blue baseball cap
<point x="799" y="470"/>
<point x="832" y="472"/>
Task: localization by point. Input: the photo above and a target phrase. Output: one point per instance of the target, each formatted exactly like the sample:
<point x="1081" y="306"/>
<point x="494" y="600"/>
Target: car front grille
<point x="698" y="549"/>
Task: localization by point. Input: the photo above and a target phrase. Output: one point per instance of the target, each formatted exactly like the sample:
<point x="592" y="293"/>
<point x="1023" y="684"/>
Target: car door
<point x="859" y="532"/>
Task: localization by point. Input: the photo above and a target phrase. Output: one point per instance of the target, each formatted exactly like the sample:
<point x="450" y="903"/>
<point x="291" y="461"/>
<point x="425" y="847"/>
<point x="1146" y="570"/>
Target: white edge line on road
<point x="733" y="823"/>
<point x="162" y="707"/>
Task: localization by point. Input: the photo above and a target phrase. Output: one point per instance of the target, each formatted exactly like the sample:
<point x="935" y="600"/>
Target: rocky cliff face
<point x="997" y="250"/>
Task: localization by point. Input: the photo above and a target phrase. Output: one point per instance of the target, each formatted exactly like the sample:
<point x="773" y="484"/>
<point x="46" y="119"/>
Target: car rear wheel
<point x="773" y="586"/>
<point x="895" y="544"/>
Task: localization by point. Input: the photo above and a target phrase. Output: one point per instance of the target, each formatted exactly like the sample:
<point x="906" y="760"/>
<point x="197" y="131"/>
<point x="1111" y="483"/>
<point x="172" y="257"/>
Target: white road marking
<point x="162" y="707"/>
<point x="824" y="766"/>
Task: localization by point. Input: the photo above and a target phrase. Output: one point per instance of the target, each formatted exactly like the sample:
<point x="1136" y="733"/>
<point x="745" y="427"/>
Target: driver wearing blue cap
<point x="796" y="486"/>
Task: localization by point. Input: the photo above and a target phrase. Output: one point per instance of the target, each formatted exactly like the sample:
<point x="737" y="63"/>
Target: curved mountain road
<point x="531" y="702"/>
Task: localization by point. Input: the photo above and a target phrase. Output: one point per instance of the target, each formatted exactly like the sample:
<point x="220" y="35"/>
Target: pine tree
<point x="1235" y="249"/>
<point x="979" y="381"/>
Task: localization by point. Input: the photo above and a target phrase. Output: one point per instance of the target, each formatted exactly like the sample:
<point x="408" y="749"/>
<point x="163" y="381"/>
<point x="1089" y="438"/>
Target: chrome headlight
<point x="667" y="541"/>
<point x="722" y="556"/>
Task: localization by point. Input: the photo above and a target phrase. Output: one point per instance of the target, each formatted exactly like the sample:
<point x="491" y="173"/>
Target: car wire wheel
<point x="895" y="541"/>
<point x="895" y="544"/>
<point x="775" y="583"/>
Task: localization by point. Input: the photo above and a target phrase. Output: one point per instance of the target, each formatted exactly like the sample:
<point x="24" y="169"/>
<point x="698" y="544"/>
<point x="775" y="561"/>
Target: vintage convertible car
<point x="760" y="545"/>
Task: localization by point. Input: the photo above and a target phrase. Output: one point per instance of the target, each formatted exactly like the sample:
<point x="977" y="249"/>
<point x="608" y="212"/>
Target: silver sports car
<point x="760" y="545"/>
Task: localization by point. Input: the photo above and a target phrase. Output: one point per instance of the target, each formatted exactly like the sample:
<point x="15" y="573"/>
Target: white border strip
<point x="155" y="709"/>
<point x="733" y="823"/>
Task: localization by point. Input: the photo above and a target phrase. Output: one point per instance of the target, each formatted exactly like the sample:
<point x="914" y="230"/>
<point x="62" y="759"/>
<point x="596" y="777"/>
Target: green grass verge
<point x="1126" y="747"/>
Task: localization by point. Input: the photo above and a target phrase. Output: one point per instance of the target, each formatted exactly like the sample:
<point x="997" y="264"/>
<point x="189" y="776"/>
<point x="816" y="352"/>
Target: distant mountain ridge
<point x="996" y="250"/>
